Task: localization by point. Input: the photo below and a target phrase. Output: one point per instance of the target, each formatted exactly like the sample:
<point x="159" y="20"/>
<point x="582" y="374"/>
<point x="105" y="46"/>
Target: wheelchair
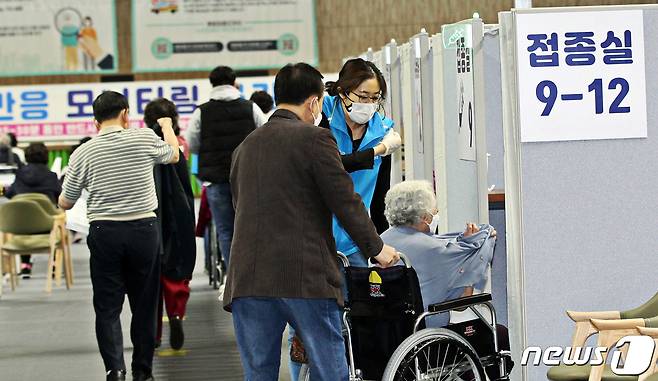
<point x="386" y="338"/>
<point x="215" y="266"/>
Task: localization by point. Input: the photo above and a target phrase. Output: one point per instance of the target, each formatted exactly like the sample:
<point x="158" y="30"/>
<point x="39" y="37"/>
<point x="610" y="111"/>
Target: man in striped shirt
<point x="116" y="168"/>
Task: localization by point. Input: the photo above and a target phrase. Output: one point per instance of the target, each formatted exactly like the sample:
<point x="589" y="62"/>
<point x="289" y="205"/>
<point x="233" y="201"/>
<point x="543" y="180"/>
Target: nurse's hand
<point x="391" y="142"/>
<point x="387" y="257"/>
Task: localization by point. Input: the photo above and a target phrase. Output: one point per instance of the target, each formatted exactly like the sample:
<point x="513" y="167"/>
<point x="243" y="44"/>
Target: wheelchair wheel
<point x="434" y="354"/>
<point x="216" y="273"/>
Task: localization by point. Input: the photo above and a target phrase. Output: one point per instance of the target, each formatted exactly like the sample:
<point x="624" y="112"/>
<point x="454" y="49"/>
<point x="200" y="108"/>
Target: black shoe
<point x="176" y="335"/>
<point x="116" y="375"/>
<point x="143" y="377"/>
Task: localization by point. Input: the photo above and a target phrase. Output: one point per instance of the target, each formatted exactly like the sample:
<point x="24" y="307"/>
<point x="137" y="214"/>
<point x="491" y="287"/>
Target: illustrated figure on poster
<point x="88" y="33"/>
<point x="67" y="23"/>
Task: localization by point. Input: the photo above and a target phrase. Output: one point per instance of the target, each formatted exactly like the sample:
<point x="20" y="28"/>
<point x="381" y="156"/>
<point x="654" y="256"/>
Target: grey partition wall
<point x="493" y="100"/>
<point x="440" y="134"/>
<point x="388" y="62"/>
<point x="419" y="141"/>
<point x="581" y="215"/>
<point x="493" y="109"/>
<point x="393" y="106"/>
<point x="463" y="183"/>
<point x="406" y="120"/>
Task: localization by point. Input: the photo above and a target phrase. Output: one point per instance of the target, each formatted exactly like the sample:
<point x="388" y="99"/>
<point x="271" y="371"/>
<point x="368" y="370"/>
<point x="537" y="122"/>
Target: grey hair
<point x="408" y="201"/>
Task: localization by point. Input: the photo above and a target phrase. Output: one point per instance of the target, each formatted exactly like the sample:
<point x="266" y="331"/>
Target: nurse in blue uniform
<point x="365" y="138"/>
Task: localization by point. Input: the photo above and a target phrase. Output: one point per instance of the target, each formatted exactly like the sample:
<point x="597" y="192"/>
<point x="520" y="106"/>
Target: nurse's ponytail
<point x="331" y="88"/>
<point x="353" y="73"/>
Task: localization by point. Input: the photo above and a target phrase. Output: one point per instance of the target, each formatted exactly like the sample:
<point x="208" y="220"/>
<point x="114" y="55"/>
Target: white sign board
<point x="175" y="35"/>
<point x="581" y="75"/>
<point x="46" y="37"/>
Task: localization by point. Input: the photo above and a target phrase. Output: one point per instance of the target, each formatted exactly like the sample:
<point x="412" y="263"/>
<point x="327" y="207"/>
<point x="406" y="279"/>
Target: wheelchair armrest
<point x="459" y="303"/>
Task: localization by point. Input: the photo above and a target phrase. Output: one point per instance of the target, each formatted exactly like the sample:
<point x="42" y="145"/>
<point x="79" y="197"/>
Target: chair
<point x="652" y="373"/>
<point x="610" y="331"/>
<point x="60" y="220"/>
<point x="28" y="229"/>
<point x="608" y="324"/>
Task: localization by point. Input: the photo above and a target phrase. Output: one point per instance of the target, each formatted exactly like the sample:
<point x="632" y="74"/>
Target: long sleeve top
<point x="445" y="264"/>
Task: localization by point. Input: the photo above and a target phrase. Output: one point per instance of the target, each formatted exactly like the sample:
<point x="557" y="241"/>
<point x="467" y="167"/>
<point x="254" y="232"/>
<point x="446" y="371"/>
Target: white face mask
<point x="434" y="225"/>
<point x="316" y="119"/>
<point x="361" y="113"/>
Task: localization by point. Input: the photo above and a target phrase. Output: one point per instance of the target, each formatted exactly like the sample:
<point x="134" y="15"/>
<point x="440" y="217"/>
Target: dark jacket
<point x="287" y="180"/>
<point x="35" y="178"/>
<point x="8" y="157"/>
<point x="224" y="125"/>
<point x="176" y="220"/>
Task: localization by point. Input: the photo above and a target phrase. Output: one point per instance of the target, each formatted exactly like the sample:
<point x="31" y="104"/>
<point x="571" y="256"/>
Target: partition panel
<point x="407" y="119"/>
<point x="463" y="194"/>
<point x="393" y="106"/>
<point x="493" y="106"/>
<point x="581" y="214"/>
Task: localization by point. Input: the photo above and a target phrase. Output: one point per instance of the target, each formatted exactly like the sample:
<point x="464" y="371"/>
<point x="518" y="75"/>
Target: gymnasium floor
<point x="52" y="337"/>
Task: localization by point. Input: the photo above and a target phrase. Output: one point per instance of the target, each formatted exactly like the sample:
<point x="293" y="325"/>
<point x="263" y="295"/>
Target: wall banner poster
<point x="178" y="35"/>
<point x="50" y="37"/>
<point x="49" y="113"/>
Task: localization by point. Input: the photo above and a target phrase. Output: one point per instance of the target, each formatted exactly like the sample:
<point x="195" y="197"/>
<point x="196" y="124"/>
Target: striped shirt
<point x="116" y="168"/>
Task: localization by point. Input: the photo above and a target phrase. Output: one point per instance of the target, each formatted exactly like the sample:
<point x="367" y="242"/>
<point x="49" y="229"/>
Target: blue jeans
<point x="259" y="324"/>
<point x="220" y="201"/>
<point x="356" y="260"/>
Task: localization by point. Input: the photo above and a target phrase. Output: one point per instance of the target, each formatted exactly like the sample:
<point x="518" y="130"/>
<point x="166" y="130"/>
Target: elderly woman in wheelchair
<point x="448" y="266"/>
<point x="393" y="315"/>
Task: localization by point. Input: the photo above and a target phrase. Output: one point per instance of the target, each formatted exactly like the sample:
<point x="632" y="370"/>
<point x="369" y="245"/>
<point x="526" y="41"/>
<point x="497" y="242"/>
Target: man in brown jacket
<point x="287" y="180"/>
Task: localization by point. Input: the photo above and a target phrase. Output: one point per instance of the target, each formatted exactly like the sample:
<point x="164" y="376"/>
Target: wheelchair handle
<point x="346" y="262"/>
